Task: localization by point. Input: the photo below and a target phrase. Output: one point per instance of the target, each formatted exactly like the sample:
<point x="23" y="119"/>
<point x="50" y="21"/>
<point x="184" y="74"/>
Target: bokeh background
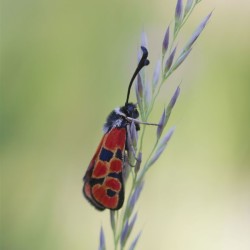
<point x="65" y="65"/>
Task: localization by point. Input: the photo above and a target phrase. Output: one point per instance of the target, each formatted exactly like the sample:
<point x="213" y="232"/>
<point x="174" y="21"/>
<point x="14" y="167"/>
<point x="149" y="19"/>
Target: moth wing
<point x="104" y="181"/>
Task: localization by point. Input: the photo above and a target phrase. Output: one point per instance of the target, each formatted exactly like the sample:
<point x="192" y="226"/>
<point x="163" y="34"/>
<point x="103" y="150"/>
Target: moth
<point x="103" y="182"/>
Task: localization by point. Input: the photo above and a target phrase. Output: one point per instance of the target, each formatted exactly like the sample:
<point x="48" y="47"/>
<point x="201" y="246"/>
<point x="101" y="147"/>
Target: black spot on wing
<point x="115" y="175"/>
<point x="111" y="193"/>
<point x="105" y="155"/>
<point x="94" y="181"/>
<point x="118" y="154"/>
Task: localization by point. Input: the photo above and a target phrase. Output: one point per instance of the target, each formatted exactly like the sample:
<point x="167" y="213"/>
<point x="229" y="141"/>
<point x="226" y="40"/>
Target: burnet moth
<point x="103" y="181"/>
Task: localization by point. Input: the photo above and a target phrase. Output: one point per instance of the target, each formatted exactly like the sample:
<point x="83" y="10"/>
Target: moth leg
<point x="136" y="160"/>
<point x="129" y="144"/>
<point x="135" y="166"/>
<point x="141" y="122"/>
<point x="130" y="163"/>
<point x="126" y="160"/>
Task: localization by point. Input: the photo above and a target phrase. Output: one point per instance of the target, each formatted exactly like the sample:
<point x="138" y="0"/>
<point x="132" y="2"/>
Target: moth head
<point x="130" y="110"/>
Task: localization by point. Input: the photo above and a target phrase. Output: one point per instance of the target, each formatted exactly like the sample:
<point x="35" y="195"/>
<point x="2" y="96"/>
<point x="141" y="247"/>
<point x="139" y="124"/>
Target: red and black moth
<point x="103" y="181"/>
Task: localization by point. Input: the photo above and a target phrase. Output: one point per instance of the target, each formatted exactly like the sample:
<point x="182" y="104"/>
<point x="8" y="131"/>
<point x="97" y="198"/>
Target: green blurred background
<point x="64" y="66"/>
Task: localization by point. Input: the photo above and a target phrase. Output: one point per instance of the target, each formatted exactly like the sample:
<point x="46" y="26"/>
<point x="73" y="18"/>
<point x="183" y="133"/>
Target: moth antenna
<point x="143" y="62"/>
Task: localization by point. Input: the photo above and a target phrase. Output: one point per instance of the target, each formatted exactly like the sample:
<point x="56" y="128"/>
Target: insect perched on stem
<point x="103" y="181"/>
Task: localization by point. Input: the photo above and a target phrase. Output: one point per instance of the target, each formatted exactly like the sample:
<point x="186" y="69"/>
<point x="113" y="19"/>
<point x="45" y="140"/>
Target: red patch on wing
<point x="113" y="184"/>
<point x="116" y="139"/>
<point x="115" y="165"/>
<point x="103" y="181"/>
<point x="100" y="170"/>
<point x="101" y="197"/>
